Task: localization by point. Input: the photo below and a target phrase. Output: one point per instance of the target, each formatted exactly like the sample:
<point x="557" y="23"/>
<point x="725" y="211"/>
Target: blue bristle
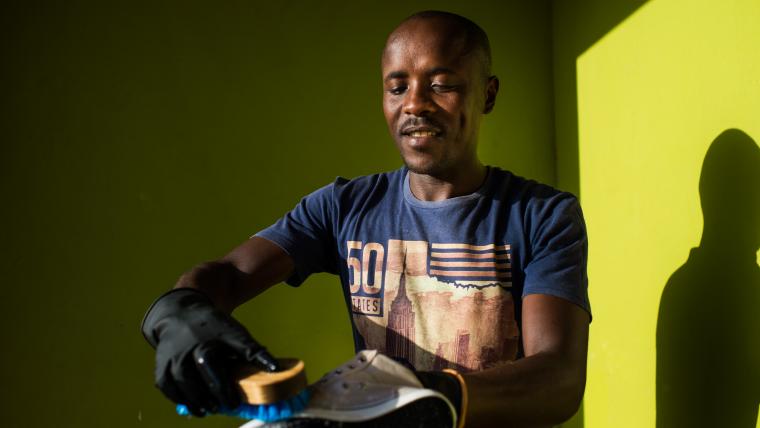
<point x="263" y="412"/>
<point x="285" y="410"/>
<point x="245" y="412"/>
<point x="260" y="413"/>
<point x="300" y="401"/>
<point x="272" y="413"/>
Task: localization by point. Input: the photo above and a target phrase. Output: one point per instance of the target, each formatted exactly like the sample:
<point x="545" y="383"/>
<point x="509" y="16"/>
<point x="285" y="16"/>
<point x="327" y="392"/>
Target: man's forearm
<point x="245" y="272"/>
<point x="535" y="391"/>
<point x="219" y="281"/>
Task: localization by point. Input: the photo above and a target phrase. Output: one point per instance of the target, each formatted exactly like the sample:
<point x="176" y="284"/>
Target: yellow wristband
<point x="463" y="387"/>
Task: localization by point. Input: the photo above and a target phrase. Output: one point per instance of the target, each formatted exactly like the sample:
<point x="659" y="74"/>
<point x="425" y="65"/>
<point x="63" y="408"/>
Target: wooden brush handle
<point x="263" y="387"/>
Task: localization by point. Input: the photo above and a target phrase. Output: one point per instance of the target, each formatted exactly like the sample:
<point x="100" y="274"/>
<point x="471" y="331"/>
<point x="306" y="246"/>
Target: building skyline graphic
<point x="400" y="336"/>
<point x="434" y="324"/>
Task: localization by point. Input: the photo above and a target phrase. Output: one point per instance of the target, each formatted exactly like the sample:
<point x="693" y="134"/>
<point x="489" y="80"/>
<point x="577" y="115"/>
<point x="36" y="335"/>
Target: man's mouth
<point x="419" y="132"/>
<point x="422" y="134"/>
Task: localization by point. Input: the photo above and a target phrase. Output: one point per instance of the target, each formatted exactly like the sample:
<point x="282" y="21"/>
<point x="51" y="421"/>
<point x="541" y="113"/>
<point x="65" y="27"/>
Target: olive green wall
<point x="140" y="138"/>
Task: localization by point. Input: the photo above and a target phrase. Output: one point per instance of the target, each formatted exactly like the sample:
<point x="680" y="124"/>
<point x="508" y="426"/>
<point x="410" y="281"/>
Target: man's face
<point x="434" y="95"/>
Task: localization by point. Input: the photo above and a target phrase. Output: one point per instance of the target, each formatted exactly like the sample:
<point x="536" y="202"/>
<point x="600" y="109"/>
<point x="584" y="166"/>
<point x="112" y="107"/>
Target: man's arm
<point x="247" y="271"/>
<point x="546" y="386"/>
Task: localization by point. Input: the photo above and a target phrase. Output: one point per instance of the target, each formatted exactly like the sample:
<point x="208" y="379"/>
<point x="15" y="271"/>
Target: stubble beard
<point x="434" y="168"/>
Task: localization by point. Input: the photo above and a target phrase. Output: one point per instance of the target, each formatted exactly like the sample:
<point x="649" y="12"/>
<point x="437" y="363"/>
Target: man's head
<point x="437" y="85"/>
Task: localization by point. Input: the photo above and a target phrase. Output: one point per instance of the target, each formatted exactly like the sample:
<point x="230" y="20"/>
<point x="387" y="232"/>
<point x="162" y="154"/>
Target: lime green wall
<point x="141" y="138"/>
<point x="576" y="25"/>
<point x="654" y="94"/>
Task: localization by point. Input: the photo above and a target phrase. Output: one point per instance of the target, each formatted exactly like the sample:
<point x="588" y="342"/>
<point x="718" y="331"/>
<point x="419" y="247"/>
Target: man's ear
<point x="492" y="88"/>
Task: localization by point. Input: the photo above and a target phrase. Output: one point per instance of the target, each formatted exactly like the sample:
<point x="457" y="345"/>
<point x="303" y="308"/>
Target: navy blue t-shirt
<point x="441" y="283"/>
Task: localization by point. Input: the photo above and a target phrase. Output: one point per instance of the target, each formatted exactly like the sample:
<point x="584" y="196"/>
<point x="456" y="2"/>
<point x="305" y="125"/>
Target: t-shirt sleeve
<point x="559" y="252"/>
<point x="306" y="234"/>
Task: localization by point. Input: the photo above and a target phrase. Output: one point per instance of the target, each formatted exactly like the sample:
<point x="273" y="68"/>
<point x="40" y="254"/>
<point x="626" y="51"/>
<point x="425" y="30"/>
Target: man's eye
<point x="397" y="90"/>
<point x="443" y="88"/>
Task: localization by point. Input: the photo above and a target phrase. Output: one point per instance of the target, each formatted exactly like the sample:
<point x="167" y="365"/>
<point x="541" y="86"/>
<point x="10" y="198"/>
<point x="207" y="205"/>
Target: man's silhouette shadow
<point x="708" y="328"/>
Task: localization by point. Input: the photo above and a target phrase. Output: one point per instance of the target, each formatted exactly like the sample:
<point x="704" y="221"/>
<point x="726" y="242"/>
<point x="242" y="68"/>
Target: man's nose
<point x="417" y="101"/>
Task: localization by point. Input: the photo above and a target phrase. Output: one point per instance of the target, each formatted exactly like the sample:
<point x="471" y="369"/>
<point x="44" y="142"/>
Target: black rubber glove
<point x="197" y="348"/>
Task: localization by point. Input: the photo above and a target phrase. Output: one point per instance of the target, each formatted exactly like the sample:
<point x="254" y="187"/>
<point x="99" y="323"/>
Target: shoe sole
<point x="415" y="407"/>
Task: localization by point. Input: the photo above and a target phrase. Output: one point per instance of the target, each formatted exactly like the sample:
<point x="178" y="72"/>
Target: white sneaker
<point x="370" y="390"/>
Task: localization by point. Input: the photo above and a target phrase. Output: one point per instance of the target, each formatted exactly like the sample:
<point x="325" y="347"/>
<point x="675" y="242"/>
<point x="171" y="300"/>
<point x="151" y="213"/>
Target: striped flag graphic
<point x="471" y="263"/>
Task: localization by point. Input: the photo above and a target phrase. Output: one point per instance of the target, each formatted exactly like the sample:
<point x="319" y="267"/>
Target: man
<point x="446" y="263"/>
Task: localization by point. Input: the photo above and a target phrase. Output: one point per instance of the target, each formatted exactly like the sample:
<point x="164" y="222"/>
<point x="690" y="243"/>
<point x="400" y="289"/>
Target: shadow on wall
<point x="708" y="329"/>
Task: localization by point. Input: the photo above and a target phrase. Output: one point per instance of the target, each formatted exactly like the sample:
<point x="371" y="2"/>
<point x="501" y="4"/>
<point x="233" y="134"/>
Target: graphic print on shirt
<point x="437" y="305"/>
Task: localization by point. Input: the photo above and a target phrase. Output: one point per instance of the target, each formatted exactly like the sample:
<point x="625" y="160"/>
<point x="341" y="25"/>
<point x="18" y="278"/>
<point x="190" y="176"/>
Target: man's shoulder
<point x="527" y="190"/>
<point x="534" y="204"/>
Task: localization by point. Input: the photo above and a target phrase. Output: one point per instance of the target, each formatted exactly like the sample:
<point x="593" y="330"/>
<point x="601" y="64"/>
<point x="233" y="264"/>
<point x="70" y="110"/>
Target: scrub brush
<point x="269" y="396"/>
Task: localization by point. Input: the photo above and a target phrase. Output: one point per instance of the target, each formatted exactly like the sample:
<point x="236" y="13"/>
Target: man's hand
<point x="196" y="346"/>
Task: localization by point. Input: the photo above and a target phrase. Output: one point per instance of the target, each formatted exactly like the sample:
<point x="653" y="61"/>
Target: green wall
<point x="140" y="138"/>
<point x="576" y="26"/>
<point x="668" y="103"/>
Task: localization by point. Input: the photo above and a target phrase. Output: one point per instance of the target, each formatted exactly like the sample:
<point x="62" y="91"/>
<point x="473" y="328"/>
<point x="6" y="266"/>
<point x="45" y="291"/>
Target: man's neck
<point x="463" y="182"/>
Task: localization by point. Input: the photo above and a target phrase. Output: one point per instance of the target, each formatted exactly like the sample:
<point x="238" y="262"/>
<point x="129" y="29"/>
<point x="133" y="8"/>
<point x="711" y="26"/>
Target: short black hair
<point x="475" y="37"/>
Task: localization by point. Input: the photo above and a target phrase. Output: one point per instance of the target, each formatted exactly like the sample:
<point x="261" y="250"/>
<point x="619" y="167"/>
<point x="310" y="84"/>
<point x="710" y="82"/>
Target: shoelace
<point x="350" y="366"/>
